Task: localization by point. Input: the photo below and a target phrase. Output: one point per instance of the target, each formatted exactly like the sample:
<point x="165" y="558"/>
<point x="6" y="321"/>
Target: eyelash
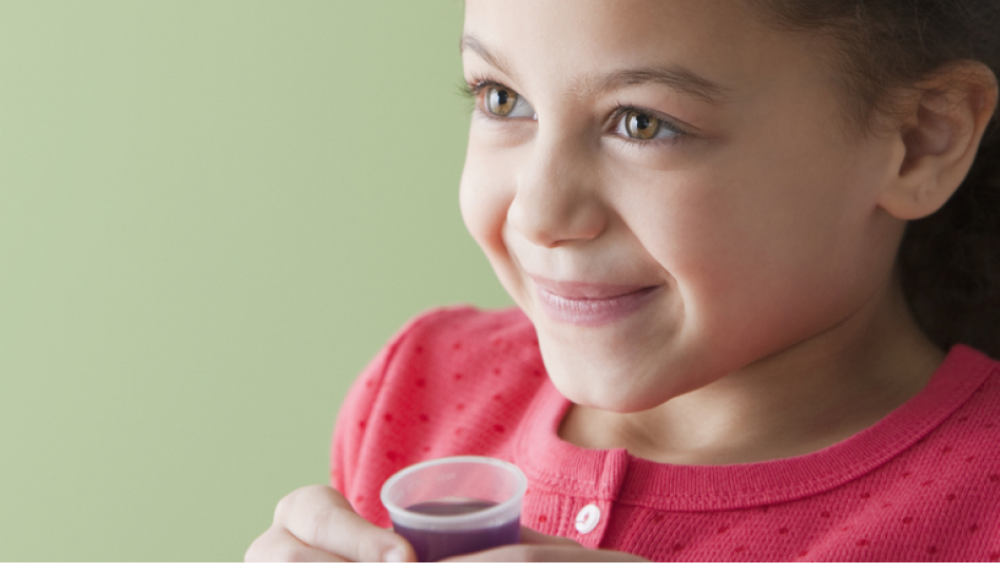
<point x="471" y="89"/>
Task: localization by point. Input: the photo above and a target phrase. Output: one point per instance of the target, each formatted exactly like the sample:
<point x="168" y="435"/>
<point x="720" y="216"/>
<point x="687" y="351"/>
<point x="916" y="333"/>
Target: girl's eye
<point x="643" y="126"/>
<point x="504" y="102"/>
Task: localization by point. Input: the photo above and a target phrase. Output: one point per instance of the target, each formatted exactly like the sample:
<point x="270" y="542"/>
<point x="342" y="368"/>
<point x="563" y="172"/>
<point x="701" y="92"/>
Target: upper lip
<point x="586" y="290"/>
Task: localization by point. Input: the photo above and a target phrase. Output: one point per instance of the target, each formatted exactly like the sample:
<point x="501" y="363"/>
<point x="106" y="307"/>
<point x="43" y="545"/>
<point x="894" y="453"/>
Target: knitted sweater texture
<point x="922" y="484"/>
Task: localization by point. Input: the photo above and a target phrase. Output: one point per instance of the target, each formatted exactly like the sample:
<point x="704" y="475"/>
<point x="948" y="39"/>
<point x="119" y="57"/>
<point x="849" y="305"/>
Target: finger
<point x="276" y="544"/>
<point x="322" y="518"/>
<point x="524" y="552"/>
<point x="537" y="538"/>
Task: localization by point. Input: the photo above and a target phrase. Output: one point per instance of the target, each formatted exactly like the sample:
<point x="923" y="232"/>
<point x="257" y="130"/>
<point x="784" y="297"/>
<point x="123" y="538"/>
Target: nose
<point x="557" y="200"/>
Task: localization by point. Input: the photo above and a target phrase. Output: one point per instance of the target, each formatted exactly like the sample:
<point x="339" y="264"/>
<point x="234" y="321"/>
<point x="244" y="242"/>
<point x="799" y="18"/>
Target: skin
<point x="777" y="326"/>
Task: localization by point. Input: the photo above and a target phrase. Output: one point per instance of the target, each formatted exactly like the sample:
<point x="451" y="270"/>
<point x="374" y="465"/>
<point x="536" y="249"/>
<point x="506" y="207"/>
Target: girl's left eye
<point x="634" y="124"/>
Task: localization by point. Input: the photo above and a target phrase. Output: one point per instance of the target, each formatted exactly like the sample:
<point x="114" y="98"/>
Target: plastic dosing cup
<point x="456" y="505"/>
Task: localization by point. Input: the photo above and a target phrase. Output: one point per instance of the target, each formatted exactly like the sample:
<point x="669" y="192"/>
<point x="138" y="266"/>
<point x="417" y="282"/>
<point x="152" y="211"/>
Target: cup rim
<point x="433" y="520"/>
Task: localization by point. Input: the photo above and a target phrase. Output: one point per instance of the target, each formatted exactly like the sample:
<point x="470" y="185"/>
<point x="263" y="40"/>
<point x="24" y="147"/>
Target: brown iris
<point x="500" y="101"/>
<point x="641" y="125"/>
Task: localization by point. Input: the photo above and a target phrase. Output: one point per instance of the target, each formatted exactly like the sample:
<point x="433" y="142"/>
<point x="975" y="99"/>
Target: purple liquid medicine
<point x="433" y="545"/>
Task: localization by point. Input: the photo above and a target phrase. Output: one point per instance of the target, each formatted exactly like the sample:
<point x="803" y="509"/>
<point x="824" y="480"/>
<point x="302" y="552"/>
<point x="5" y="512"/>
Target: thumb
<point x="537" y="538"/>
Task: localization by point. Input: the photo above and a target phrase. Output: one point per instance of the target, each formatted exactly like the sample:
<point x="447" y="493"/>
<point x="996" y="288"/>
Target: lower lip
<point x="593" y="312"/>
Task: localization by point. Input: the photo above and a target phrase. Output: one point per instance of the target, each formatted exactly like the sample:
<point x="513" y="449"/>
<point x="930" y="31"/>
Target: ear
<point x="942" y="123"/>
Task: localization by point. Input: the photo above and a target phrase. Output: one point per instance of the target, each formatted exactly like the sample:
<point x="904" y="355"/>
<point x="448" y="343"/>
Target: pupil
<point x="641" y="122"/>
<point x="501" y="97"/>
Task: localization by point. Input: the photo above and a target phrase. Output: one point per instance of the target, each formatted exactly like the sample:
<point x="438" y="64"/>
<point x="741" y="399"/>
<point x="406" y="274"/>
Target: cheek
<point x="485" y="194"/>
<point x="484" y="200"/>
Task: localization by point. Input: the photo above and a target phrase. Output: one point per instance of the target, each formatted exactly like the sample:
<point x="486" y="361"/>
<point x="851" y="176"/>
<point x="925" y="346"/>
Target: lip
<point x="591" y="304"/>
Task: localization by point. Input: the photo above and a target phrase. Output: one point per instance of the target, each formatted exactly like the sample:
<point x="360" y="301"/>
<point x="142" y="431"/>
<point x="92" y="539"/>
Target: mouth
<point x="591" y="304"/>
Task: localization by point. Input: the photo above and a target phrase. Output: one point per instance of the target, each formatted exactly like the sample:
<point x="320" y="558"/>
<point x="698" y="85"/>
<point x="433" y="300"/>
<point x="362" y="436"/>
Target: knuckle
<point x="298" y="554"/>
<point x="319" y="524"/>
<point x="253" y="552"/>
<point x="369" y="547"/>
<point x="270" y="549"/>
<point x="288" y="504"/>
<point x="261" y="549"/>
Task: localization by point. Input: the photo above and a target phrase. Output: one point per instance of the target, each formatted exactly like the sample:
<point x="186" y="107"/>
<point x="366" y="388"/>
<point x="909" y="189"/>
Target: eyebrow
<point x="473" y="44"/>
<point x="677" y="78"/>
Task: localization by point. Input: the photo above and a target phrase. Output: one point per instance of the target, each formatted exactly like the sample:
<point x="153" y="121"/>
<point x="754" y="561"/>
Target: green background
<point x="212" y="215"/>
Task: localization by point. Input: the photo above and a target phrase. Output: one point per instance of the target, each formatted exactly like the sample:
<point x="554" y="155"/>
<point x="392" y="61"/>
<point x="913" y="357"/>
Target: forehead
<point x="573" y="41"/>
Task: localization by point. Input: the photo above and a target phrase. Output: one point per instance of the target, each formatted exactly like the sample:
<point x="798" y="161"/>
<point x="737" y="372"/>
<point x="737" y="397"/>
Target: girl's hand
<point x="316" y="523"/>
<point x="540" y="547"/>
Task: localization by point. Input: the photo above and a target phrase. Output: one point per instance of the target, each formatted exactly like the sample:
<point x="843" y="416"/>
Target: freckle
<point x="496" y="371"/>
<point x="678" y="547"/>
<point x="927" y="483"/>
<point x="658" y="518"/>
<point x="723" y="529"/>
<point x="995" y="556"/>
<point x="497" y="397"/>
<point x="950" y="497"/>
<point x="765" y="509"/>
<point x="803" y="553"/>
<point x="534" y="341"/>
<point x="932" y="550"/>
<point x="459" y="431"/>
<point x="393" y="456"/>
<point x="421" y="382"/>
<point x="460" y="406"/>
<point x="946" y="449"/>
<point x="963" y="419"/>
<point x="388" y="417"/>
<point x="740" y="549"/>
<point x="908" y="520"/>
<point x="543" y="519"/>
<point x="994" y="478"/>
<point x="783" y="531"/>
<point x="359" y="498"/>
<point x="362" y="424"/>
<point x="862" y="542"/>
<point x="906" y="474"/>
<point x="887" y="505"/>
<point x="536" y="373"/>
<point x="499" y="428"/>
<point x="989" y="425"/>
<point x="970" y="458"/>
<point x="426" y="449"/>
<point x="420" y="349"/>
<point x="457" y="346"/>
<point x="424" y="418"/>
<point x="369" y="383"/>
<point x="824" y="514"/>
<point x="866" y="495"/>
<point x="458" y="376"/>
<point x="973" y="528"/>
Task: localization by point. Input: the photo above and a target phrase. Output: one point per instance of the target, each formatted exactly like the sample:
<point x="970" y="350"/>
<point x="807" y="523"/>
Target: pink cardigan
<point x="922" y="484"/>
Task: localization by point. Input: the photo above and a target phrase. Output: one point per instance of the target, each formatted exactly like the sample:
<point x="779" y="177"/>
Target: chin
<point x="616" y="394"/>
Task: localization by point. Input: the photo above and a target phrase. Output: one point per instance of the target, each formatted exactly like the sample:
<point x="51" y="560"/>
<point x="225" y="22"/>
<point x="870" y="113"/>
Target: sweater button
<point x="587" y="519"/>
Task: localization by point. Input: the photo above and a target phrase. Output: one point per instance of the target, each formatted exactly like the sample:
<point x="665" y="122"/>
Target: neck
<point x="800" y="400"/>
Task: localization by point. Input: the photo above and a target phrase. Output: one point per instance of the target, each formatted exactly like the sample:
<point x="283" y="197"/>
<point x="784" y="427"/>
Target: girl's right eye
<point x="498" y="101"/>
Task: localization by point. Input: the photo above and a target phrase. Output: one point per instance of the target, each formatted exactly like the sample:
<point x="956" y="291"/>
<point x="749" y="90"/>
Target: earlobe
<point x="943" y="125"/>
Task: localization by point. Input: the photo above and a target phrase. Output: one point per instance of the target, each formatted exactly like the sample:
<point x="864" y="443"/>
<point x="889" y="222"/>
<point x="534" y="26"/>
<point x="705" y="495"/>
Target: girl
<point x="750" y="242"/>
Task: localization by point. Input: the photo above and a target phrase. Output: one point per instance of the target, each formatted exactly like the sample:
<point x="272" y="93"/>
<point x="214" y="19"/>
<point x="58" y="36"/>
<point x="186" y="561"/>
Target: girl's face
<point x="668" y="189"/>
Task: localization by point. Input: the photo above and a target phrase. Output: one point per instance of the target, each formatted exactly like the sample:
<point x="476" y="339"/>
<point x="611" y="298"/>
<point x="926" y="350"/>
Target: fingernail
<point x="394" y="555"/>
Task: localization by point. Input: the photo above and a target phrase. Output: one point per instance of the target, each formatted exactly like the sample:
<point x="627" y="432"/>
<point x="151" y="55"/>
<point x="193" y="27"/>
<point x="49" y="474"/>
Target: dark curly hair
<point x="949" y="262"/>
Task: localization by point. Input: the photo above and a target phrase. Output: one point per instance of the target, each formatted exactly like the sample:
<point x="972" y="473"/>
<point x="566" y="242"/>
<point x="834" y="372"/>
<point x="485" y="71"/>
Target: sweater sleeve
<point x="349" y="433"/>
